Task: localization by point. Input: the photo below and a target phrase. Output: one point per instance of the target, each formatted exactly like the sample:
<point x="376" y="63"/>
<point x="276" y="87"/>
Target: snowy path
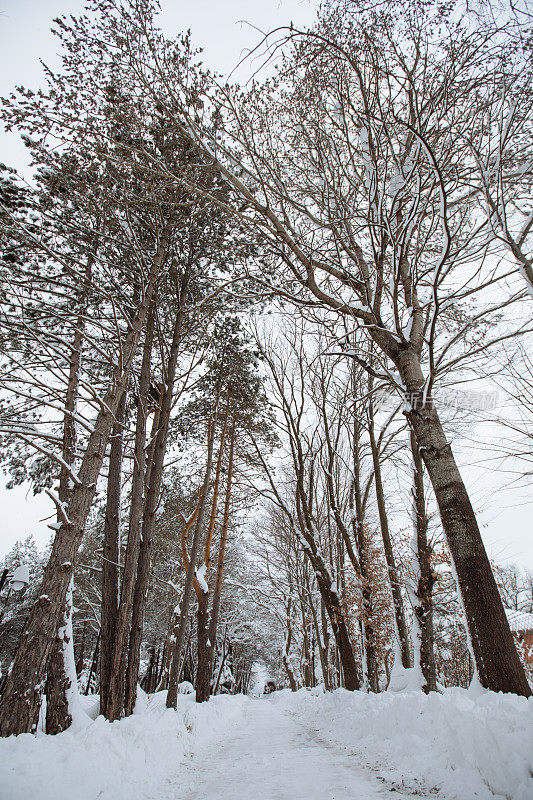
<point x="272" y="756"/>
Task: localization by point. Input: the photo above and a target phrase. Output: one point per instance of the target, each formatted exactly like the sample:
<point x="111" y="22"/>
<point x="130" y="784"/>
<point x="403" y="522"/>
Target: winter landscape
<point x="266" y="400"/>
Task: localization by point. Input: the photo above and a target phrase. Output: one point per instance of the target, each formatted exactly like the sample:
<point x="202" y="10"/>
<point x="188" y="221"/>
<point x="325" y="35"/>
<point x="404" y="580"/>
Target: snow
<point x="405" y="679"/>
<point x="126" y="760"/>
<point x="305" y="745"/>
<point x="408" y="326"/>
<point x="396" y="184"/>
<point x="79" y="718"/>
<point x="273" y="756"/>
<point x="464" y="745"/>
<point x="200" y="577"/>
<point x="519" y="620"/>
<point x="61" y="507"/>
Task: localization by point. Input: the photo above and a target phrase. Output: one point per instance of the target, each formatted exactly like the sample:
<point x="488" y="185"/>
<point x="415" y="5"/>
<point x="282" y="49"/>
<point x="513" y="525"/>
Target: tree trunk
<point x="423" y="608"/>
<point x="205" y="645"/>
<point x="367" y="610"/>
<point x="179" y="634"/>
<point x="357" y="507"/>
<point x="224" y="656"/>
<point x="335" y="612"/>
<point x="162" y="674"/>
<point x="150" y="509"/>
<point x="332" y="494"/>
<point x="217" y="592"/>
<point x="497" y="660"/>
<point x="140" y="588"/>
<point x="110" y="559"/>
<point x="324" y="581"/>
<point x="22" y="695"/>
<point x="321" y="652"/>
<point x="58" y="716"/>
<point x="137" y="624"/>
<point x="94" y="663"/>
<point x="61" y="684"/>
<point x="112" y="701"/>
<point x="148" y="679"/>
<point x="325" y="639"/>
<point x="286" y="649"/>
<point x="203" y="673"/>
<point x="394" y="580"/>
<point x="331" y="599"/>
<point x="81" y="651"/>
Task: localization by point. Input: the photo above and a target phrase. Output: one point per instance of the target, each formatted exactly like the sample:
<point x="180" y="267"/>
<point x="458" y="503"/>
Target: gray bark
<point x="397" y="599"/>
<point x="427" y="577"/>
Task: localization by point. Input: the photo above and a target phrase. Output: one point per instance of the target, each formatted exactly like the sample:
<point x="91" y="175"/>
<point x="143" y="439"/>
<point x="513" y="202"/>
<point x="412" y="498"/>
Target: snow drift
<point x="124" y="760"/>
<point x="457" y="745"/>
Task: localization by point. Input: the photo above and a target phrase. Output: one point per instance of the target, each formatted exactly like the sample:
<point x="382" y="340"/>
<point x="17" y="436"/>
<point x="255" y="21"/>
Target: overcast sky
<point x="224" y="30"/>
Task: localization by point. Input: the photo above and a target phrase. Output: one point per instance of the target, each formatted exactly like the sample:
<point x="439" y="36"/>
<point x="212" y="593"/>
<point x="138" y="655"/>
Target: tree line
<point x="207" y="293"/>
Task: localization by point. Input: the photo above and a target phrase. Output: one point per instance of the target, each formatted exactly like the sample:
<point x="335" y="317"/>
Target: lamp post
<point x="16" y="581"/>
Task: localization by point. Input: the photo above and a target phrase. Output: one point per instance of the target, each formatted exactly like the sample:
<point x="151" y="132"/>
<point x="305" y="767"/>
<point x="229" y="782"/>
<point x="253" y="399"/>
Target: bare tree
<point x="357" y="181"/>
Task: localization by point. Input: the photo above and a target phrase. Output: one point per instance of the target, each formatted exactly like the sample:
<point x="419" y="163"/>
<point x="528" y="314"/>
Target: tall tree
<point x="361" y="182"/>
<point x="105" y="181"/>
<point x="231" y="398"/>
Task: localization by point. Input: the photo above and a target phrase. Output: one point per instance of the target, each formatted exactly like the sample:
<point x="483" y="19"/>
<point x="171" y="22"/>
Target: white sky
<point x="224" y="30"/>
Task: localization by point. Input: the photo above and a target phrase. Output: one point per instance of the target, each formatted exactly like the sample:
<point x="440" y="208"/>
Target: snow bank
<point x="457" y="745"/>
<point x="124" y="760"/>
<point x="465" y="746"/>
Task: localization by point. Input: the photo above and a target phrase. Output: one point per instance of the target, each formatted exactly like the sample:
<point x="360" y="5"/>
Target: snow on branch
<point x="60" y="509"/>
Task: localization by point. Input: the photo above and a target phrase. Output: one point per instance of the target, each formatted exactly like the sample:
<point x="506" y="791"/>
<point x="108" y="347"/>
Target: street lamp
<point x="16" y="582"/>
<point x="20" y="578"/>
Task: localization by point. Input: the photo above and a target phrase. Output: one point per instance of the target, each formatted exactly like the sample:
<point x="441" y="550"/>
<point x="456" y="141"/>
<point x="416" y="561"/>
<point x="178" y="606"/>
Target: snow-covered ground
<point x="302" y="746"/>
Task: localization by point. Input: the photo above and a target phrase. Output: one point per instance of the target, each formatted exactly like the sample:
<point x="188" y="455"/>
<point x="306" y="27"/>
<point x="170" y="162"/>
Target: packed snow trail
<point x="272" y="756"/>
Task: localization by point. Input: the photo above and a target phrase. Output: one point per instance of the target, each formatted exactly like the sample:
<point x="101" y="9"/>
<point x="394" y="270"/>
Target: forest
<point x="252" y="337"/>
